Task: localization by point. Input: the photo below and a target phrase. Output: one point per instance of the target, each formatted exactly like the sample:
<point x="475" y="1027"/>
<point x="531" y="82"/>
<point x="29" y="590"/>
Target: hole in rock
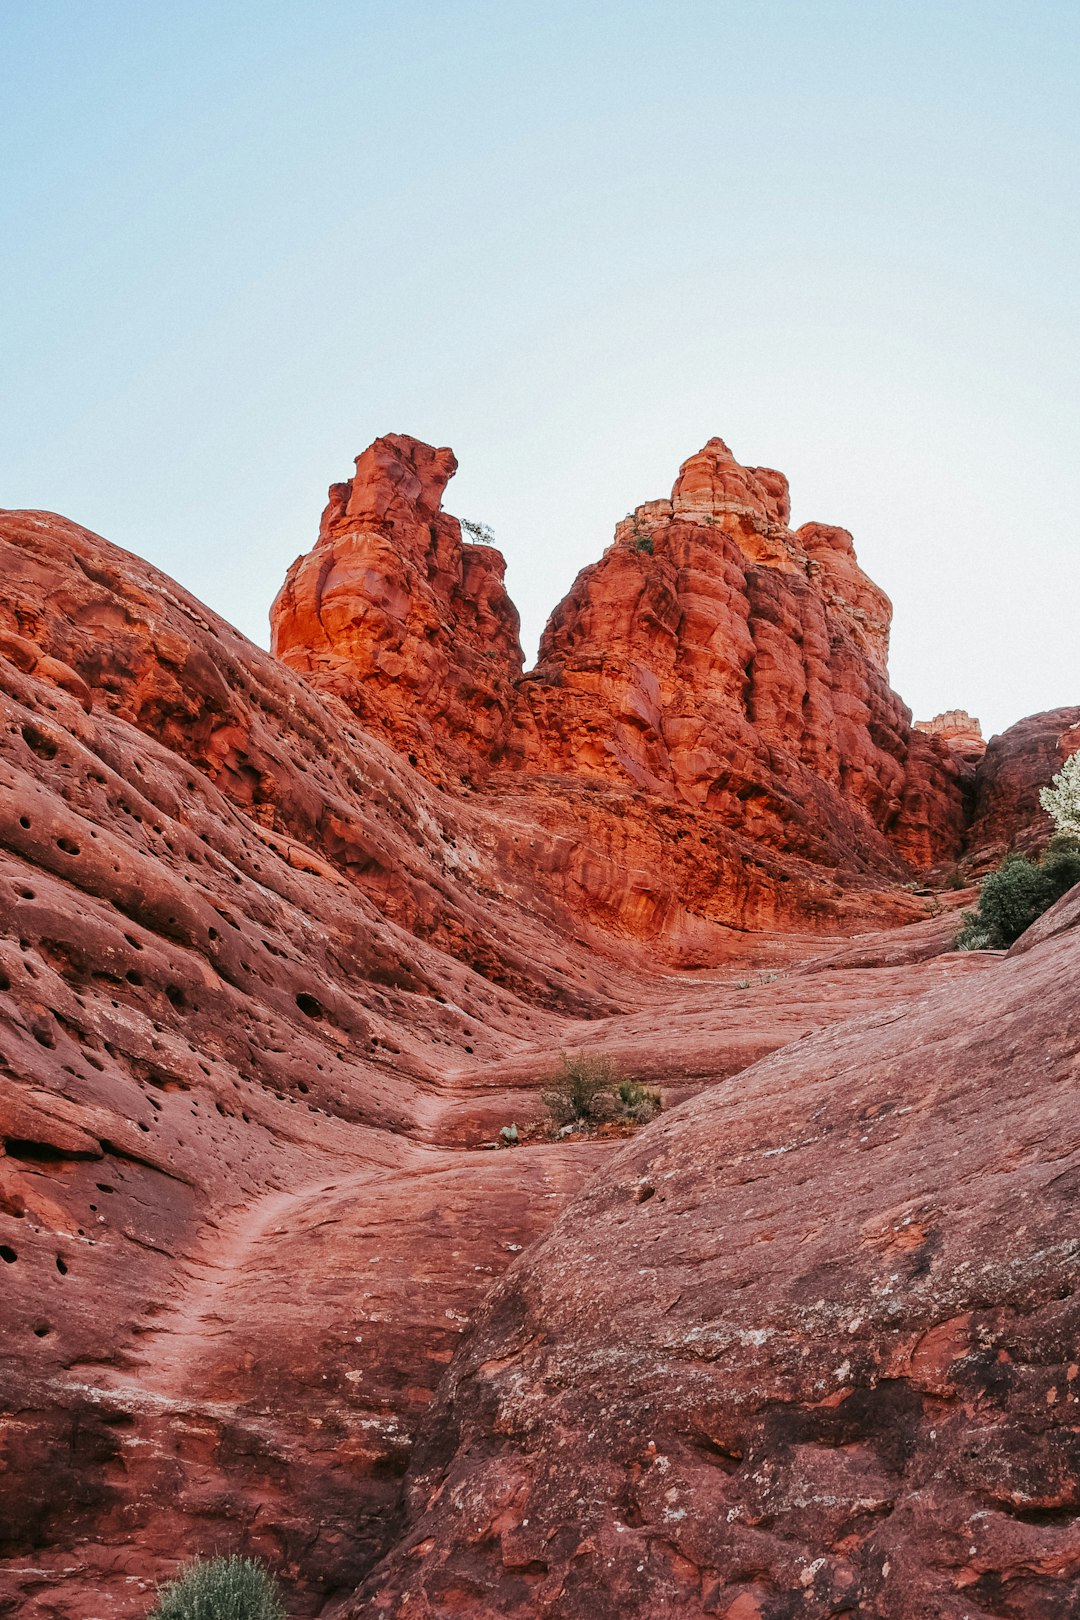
<point x="7" y="1254"/>
<point x="42" y="1330"/>
<point x="61" y="1265"/>
<point x="309" y="1005"/>
<point x="39" y="743"/>
<point x="68" y="845"/>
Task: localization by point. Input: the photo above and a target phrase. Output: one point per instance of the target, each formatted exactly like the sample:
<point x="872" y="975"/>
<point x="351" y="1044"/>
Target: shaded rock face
<point x="713" y="661"/>
<point x="1007" y="813"/>
<point x="807" y="1347"/>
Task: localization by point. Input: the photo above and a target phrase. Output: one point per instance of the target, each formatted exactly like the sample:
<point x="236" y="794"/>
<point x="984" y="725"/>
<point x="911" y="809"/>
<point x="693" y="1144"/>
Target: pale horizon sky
<point x="573" y="241"/>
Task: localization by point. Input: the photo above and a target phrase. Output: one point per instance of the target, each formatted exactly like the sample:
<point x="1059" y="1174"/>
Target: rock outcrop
<point x="1006" y="811"/>
<point x="716" y="673"/>
<point x="394" y="613"/>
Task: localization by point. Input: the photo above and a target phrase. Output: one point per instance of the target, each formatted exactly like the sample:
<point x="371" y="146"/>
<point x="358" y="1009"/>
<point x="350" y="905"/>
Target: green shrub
<point x="582" y="1088"/>
<point x="1016" y="894"/>
<point x="1061" y="865"/>
<point x="644" y="543"/>
<point x="589" y="1088"/>
<point x="221" y="1589"/>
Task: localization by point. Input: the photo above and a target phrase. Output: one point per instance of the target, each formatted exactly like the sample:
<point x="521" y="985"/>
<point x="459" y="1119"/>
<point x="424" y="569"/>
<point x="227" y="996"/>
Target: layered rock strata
<point x="266" y="991"/>
<point x="714" y="663"/>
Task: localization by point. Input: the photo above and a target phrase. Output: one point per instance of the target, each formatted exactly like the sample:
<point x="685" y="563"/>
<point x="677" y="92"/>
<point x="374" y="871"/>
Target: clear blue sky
<point x="571" y="240"/>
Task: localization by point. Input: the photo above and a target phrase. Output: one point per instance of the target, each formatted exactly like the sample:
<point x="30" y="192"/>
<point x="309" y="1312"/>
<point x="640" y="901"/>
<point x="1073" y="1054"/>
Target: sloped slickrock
<point x="242" y="948"/>
<point x="807" y="1348"/>
<point x="266" y="991"/>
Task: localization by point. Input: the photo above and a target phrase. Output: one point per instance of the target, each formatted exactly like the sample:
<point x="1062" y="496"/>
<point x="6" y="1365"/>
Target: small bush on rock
<point x="639" y="1103"/>
<point x="221" y="1589"/>
<point x="1016" y="894"/>
<point x="588" y="1089"/>
<point x="582" y="1088"/>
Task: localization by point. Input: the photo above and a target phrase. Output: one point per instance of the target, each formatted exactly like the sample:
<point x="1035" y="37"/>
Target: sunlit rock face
<point x="395" y="613"/>
<point x="714" y="667"/>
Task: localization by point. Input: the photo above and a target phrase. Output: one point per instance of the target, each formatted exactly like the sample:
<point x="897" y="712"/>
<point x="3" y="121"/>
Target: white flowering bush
<point x="1061" y="800"/>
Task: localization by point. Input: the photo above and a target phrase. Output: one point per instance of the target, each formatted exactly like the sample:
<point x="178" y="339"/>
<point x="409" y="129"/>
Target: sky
<point x="573" y="241"/>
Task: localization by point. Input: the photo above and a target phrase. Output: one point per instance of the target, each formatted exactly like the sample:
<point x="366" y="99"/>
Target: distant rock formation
<point x="395" y="614"/>
<point x="1006" y="811"/>
<point x="714" y="667"/>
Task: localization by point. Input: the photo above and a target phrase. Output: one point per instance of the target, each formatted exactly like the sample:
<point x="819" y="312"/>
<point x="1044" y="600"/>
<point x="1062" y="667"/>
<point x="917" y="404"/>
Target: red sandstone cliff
<point x="718" y="676"/>
<point x="393" y="612"/>
<point x="1007" y="813"/>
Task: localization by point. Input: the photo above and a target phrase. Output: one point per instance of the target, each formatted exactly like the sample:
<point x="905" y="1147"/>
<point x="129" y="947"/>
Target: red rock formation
<point x="244" y="952"/>
<point x="716" y="658"/>
<point x="395" y="614"/>
<point x="960" y="730"/>
<point x="1007" y="813"/>
<point x="721" y="678"/>
<point x="805" y="1348"/>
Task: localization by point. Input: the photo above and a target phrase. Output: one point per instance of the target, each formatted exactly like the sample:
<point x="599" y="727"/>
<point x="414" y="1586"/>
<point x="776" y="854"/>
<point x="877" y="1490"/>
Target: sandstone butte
<point x="288" y="938"/>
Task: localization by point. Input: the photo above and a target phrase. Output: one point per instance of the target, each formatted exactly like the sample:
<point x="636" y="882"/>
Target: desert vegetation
<point x="1061" y="799"/>
<point x="221" y="1589"/>
<point x="589" y="1089"/>
<point x="1018" y="892"/>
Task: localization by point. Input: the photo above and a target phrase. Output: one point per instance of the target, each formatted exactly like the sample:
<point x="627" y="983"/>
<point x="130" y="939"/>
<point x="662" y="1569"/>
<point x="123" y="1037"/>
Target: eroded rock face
<point x="266" y="990"/>
<point x="714" y="671"/>
<point x="395" y="614"/>
<point x="806" y="1348"/>
<point x="244" y="953"/>
<point x="1007" y="813"/>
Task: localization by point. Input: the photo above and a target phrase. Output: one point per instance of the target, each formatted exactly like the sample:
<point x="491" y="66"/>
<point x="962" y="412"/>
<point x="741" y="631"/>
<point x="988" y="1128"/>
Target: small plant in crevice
<point x="644" y="542"/>
<point x="230" y="1588"/>
<point x="639" y="1103"/>
<point x="480" y="534"/>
